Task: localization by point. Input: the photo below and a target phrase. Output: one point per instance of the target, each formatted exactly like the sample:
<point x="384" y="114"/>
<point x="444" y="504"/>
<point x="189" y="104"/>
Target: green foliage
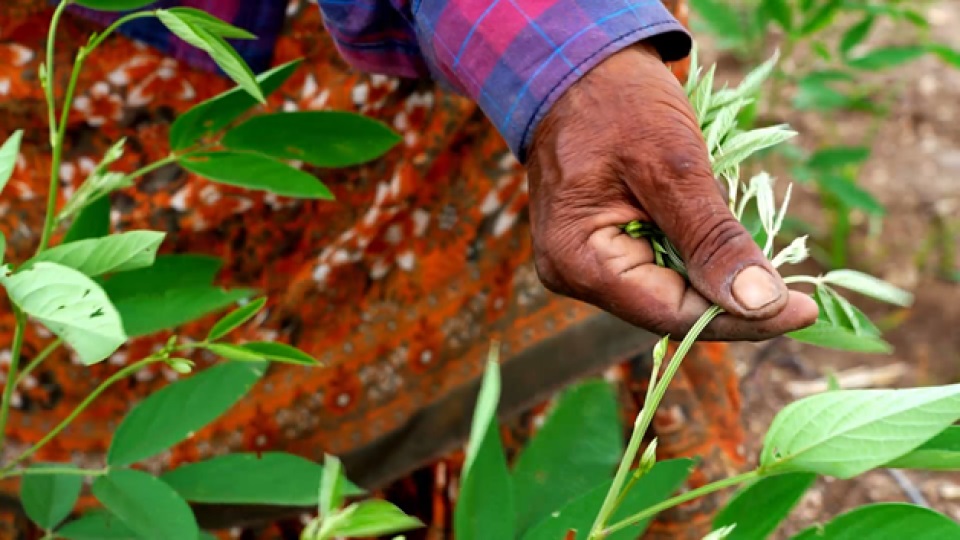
<point x="758" y="509"/>
<point x="145" y="505"/>
<point x="370" y="519"/>
<point x="96" y="525"/>
<point x="91" y="222"/>
<point x="255" y="171"/>
<point x="653" y="487"/>
<point x="269" y="478"/>
<point x="49" y="498"/>
<point x="885" y="521"/>
<point x="70" y="305"/>
<point x="171" y="414"/>
<point x="235" y="318"/>
<point x="213" y="115"/>
<point x="114" y="5"/>
<point x="576" y="449"/>
<point x="208" y="37"/>
<point x="486" y="504"/>
<point x="9" y="151"/>
<point x="115" y="253"/>
<point x="825" y="433"/>
<point x="941" y="453"/>
<point x="321" y="138"/>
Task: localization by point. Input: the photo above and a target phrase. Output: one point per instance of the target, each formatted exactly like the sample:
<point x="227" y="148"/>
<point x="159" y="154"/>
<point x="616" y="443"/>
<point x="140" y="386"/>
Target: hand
<point x="623" y="144"/>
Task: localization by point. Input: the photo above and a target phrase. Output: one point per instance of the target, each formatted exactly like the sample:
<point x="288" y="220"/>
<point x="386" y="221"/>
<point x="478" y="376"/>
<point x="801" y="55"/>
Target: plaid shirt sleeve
<point x="513" y="57"/>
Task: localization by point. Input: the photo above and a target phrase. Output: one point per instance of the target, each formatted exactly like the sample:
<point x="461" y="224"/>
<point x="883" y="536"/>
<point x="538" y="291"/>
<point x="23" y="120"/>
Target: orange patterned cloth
<point x="397" y="286"/>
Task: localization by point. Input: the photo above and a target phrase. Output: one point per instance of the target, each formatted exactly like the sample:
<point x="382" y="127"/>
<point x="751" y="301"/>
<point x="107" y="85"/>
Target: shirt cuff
<point x="515" y="58"/>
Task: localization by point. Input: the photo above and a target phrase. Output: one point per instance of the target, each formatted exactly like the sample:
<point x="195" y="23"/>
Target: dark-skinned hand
<point x="623" y="144"/>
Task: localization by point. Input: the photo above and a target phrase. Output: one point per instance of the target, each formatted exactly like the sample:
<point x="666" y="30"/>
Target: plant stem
<point x="57" y="132"/>
<point x="801" y="279"/>
<point x="645" y="418"/>
<point x="37" y="360"/>
<point x="99" y="38"/>
<point x="19" y="330"/>
<point x="680" y="499"/>
<point x="132" y="368"/>
<point x="38" y="471"/>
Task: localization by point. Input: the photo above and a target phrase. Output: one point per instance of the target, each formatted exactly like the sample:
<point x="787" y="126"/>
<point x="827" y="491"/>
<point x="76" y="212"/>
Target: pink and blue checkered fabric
<point x="514" y="57"/>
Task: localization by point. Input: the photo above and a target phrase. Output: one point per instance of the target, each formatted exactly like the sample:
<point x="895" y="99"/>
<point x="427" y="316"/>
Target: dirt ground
<point x="915" y="172"/>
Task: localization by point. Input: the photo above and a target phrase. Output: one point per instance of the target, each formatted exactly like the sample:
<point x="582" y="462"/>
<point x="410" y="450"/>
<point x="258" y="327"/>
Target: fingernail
<point x="754" y="288"/>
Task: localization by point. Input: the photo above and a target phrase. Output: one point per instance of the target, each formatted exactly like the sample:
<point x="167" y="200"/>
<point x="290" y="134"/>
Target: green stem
<point x="37" y="360"/>
<point x="801" y="279"/>
<point x="99" y="38"/>
<point x="18" y="331"/>
<point x="49" y="84"/>
<point x="79" y="409"/>
<point x="680" y="499"/>
<point x="645" y="418"/>
<point x="39" y="471"/>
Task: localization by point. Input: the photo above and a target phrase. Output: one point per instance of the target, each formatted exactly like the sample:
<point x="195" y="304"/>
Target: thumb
<point x="724" y="263"/>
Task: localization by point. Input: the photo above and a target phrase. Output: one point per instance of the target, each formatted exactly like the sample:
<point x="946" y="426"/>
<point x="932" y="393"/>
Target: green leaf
<point x="814" y="95"/>
<point x="171" y="414"/>
<point x="220" y="51"/>
<point x="946" y="54"/>
<point x="848" y="432"/>
<point x="868" y="285"/>
<point x="147" y="313"/>
<point x="372" y="518"/>
<point x="321" y="138"/>
<point x="829" y="310"/>
<point x="254" y="171"/>
<point x="49" y="498"/>
<point x="941" y="453"/>
<point x="821" y="18"/>
<point x="825" y="334"/>
<point x="663" y="480"/>
<point x="279" y="352"/>
<point x="9" y="152"/>
<point x="147" y="506"/>
<point x="577" y="448"/>
<point x="93" y="221"/>
<point x="885" y="521"/>
<point x="856" y="34"/>
<point x="167" y="272"/>
<point x="850" y="194"/>
<point x="271" y="478"/>
<point x="70" y="305"/>
<point x="780" y="11"/>
<point x="114" y="5"/>
<point x="218" y="112"/>
<point x="206" y="21"/>
<point x="331" y="486"/>
<point x="720" y="17"/>
<point x="114" y="253"/>
<point x="485" y="508"/>
<point x="235" y="318"/>
<point x="96" y="525"/>
<point x="759" y="508"/>
<point x="835" y="157"/>
<point x="741" y="146"/>
<point x="233" y="352"/>
<point x="887" y="57"/>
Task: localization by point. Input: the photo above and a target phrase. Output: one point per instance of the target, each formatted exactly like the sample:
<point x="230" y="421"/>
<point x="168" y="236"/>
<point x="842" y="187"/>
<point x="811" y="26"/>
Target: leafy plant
<point x="840" y="433"/>
<point x="825" y="56"/>
<point x="95" y="291"/>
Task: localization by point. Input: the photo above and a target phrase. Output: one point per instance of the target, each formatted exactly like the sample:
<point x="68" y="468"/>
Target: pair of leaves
<point x="196" y="28"/>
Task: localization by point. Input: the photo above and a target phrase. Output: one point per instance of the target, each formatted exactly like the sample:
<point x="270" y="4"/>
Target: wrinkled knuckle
<point x="717" y="239"/>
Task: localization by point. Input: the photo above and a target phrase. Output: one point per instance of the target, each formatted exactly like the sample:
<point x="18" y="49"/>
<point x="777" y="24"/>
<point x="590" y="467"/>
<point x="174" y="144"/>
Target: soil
<point x="914" y="171"/>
